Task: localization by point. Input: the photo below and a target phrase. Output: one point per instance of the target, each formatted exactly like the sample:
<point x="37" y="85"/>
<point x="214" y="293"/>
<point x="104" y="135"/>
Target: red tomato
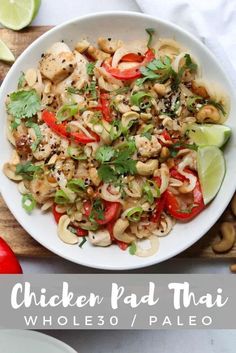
<point x="132" y="57"/>
<point x="104" y="98"/>
<point x="111" y="211"/>
<point x="173" y="206"/>
<point x="8" y="261"/>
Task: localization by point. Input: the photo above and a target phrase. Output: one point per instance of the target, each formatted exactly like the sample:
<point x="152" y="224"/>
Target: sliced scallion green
<point x="28" y="202"/>
<point x="67" y="111"/>
<point x="134" y="215"/>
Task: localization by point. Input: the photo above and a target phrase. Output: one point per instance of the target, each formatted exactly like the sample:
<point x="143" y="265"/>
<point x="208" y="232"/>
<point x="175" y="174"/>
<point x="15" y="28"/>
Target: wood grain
<point x="21" y="242"/>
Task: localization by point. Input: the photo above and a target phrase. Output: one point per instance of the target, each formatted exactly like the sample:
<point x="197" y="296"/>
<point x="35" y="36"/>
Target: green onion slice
<point x="67" y="111"/>
<point x="76" y="185"/>
<point x="151" y="191"/>
<point x="28" y="202"/>
<point x="134" y="215"/>
<point x="76" y="153"/>
<point x="61" y="197"/>
<point x="141" y="99"/>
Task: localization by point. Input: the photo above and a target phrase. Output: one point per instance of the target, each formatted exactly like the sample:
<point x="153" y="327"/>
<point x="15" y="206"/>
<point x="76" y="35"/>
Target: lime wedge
<point x="5" y="53"/>
<point x="209" y="134"/>
<point x="17" y="14"/>
<point x="36" y="9"/>
<point x="211" y="171"/>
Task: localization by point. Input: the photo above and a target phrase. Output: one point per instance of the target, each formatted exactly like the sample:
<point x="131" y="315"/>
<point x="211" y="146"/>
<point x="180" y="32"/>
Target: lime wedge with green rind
<point x="17" y="14"/>
<point x="211" y="170"/>
<point x="5" y="53"/>
<point x="209" y="134"/>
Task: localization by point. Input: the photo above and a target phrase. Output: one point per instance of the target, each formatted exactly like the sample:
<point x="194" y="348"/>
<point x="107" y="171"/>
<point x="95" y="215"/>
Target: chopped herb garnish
<point x="141" y="99"/>
<point x="104" y="154"/>
<point x="28" y="170"/>
<point x="23" y="104"/>
<point x="97" y="211"/>
<point x="175" y="148"/>
<point x="90" y="68"/>
<point x="82" y="242"/>
<point x="158" y="69"/>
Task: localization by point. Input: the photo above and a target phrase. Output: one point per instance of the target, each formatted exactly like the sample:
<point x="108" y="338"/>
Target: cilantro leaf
<point x="28" y="170"/>
<point x="97" y="211"/>
<point x="107" y="173"/>
<point x="158" y="69"/>
<point x="104" y="154"/>
<point x="24" y="104"/>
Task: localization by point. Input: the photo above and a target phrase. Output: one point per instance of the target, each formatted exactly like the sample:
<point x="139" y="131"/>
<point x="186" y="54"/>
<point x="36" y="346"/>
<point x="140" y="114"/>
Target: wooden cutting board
<point x="21" y="243"/>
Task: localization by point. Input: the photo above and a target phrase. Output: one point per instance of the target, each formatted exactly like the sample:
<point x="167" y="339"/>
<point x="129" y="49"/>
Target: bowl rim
<point x="228" y="196"/>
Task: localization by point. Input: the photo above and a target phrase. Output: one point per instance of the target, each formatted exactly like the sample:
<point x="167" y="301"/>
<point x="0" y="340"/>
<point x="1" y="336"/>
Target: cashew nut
<point x="199" y="90"/>
<point x="97" y="54"/>
<point x="233" y="205"/>
<point x="160" y="89"/>
<point x="228" y="238"/>
<point x="109" y="46"/>
<point x="100" y="238"/>
<point x="82" y="46"/>
<point x="121" y="106"/>
<point x="64" y="234"/>
<point x="119" y="231"/>
<point x="208" y="113"/>
<point x="128" y="117"/>
<point x="147" y="168"/>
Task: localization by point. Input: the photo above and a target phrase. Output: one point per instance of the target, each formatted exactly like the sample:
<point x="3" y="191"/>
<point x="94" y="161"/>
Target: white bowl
<point x="126" y="26"/>
<point x="16" y="341"/>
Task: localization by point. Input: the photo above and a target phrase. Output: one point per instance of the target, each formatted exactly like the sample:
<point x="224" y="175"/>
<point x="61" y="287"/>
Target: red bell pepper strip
<point x="129" y="74"/>
<point x="57" y="215"/>
<point x="174" y="209"/>
<point x="106" y="112"/>
<point x="176" y="175"/>
<point x="50" y="119"/>
<point x="61" y="129"/>
<point x="8" y="261"/>
<point x="160" y="205"/>
<point x="132" y="57"/>
<point x="80" y="137"/>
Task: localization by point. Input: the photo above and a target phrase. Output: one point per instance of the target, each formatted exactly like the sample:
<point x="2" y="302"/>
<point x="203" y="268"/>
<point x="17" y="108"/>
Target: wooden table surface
<point x="21" y="243"/>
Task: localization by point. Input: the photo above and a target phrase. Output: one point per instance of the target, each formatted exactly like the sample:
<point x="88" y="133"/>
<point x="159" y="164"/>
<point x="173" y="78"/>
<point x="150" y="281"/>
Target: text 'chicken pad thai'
<point x="105" y="137"/>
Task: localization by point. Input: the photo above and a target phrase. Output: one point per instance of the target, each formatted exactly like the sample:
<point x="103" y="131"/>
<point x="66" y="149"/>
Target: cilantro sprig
<point x="115" y="163"/>
<point x="23" y="105"/>
<point x="28" y="170"/>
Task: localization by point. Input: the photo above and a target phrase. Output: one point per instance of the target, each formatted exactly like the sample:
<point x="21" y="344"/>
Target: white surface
<point x="209" y="20"/>
<point x="14" y="341"/>
<point x="195" y="341"/>
<point x="126" y="26"/>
